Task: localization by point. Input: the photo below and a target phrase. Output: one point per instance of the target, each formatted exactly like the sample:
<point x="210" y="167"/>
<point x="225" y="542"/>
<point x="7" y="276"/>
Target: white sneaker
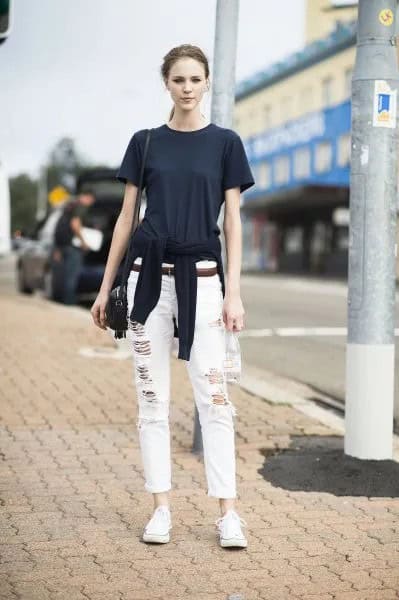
<point x="158" y="527"/>
<point x="229" y="529"/>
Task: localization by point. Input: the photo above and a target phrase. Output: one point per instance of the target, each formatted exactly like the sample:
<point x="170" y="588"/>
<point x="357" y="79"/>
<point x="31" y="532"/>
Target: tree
<point x="23" y="192"/>
<point x="64" y="164"/>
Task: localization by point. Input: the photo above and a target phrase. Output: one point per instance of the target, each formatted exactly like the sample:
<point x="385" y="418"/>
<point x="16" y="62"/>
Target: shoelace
<point x="238" y="520"/>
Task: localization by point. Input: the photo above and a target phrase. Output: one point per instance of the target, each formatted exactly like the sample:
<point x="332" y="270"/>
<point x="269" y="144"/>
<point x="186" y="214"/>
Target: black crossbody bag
<point x="117" y="305"/>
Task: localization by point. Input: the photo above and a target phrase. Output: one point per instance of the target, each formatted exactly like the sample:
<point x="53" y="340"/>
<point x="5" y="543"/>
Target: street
<point x="310" y="319"/>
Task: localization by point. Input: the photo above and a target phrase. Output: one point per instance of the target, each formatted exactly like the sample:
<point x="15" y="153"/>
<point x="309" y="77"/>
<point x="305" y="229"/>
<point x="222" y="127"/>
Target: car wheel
<point x="21" y="285"/>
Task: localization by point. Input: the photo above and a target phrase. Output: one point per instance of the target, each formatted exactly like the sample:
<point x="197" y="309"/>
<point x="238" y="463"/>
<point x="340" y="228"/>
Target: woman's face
<point x="187" y="83"/>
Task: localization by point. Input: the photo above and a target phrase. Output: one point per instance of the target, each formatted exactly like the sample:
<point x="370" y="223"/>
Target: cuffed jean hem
<point x="152" y="490"/>
<point x="224" y="494"/>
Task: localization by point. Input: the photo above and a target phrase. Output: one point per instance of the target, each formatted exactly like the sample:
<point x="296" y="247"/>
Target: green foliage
<point x="23" y="192"/>
<point x="64" y="164"/>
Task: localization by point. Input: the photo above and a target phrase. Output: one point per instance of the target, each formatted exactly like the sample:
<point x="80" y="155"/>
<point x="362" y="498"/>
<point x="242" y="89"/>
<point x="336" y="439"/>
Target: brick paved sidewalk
<point x="73" y="505"/>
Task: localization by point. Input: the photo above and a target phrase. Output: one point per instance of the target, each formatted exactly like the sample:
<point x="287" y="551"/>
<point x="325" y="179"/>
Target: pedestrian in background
<point x="68" y="226"/>
<point x="192" y="167"/>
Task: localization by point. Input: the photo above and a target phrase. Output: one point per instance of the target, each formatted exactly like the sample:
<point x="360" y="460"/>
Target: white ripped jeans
<point x="152" y="346"/>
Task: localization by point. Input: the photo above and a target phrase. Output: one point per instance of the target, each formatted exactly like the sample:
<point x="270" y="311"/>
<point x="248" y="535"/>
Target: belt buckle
<point x="169" y="269"/>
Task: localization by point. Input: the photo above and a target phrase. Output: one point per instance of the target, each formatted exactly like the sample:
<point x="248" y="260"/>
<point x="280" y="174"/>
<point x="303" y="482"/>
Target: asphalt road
<point x="287" y="309"/>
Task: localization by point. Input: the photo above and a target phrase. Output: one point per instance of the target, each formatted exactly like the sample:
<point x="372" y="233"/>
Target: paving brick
<point x="73" y="503"/>
<point x="376" y="594"/>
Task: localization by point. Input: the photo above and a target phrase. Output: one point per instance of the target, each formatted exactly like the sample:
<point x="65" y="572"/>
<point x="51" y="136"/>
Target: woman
<point x="176" y="286"/>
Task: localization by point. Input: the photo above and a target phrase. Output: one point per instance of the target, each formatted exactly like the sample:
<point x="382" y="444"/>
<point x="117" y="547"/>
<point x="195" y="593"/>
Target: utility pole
<point x="223" y="92"/>
<point x="42" y="194"/>
<point x="373" y="198"/>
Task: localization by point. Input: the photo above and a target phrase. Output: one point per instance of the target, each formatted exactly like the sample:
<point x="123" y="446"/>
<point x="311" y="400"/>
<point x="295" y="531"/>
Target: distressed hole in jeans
<point x="137" y="328"/>
<point x="215" y="376"/>
<point x="219" y="398"/>
<point x="149" y="395"/>
<point x="221" y="407"/>
<point x="144" y="373"/>
<point x="142" y="347"/>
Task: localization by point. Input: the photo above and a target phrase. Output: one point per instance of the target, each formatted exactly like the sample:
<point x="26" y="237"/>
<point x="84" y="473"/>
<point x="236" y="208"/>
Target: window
<point x="264" y="175"/>
<point x="323" y="157"/>
<point x="302" y="163"/>
<point x="344" y="150"/>
<point x="327" y="91"/>
<point x="293" y="240"/>
<point x="281" y="170"/>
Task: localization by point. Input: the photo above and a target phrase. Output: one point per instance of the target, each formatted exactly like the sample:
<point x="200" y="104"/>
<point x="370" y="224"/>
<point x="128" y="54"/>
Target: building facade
<point x="295" y="120"/>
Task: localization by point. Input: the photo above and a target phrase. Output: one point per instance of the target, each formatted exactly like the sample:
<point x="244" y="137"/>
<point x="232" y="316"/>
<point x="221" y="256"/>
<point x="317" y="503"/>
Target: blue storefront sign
<point x="311" y="150"/>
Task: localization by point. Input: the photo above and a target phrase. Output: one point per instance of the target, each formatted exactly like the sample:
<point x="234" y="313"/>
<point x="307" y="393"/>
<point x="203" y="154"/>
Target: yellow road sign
<point x="57" y="195"/>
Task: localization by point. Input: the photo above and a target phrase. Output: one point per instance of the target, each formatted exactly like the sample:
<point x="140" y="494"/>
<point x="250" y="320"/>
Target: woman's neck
<point x="187" y="123"/>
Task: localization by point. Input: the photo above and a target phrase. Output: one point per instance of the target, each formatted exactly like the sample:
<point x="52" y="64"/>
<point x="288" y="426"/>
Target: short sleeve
<point x="236" y="170"/>
<point x="131" y="163"/>
<point x="77" y="210"/>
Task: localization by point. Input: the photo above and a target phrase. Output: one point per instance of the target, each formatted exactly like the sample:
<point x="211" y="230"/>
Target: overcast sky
<point x="89" y="69"/>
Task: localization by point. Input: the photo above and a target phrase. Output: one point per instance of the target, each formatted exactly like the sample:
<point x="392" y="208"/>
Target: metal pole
<point x="223" y="91"/>
<point x="396" y="397"/>
<point x="42" y="192"/>
<point x="371" y="290"/>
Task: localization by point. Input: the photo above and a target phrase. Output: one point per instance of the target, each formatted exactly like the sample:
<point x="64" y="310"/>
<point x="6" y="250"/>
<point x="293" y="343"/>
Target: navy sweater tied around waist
<point x="155" y="250"/>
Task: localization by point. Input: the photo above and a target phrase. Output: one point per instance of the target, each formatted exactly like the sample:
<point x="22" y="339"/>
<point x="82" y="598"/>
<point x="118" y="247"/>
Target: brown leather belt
<point x="201" y="272"/>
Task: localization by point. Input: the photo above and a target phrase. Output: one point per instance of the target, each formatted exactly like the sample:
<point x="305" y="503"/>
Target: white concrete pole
<point x="373" y="191"/>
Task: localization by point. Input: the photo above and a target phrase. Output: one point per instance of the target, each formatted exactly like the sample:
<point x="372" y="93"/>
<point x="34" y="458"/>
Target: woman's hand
<point x="98" y="310"/>
<point x="233" y="312"/>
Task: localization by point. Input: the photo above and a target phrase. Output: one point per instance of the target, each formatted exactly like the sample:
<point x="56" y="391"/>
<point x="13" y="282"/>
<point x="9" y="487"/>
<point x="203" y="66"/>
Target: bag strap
<point x="126" y="265"/>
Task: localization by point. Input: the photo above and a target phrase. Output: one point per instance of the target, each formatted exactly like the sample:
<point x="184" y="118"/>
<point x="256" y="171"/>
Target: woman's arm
<point x="119" y="242"/>
<point x="120" y="237"/>
<point x="76" y="226"/>
<point x="233" y="308"/>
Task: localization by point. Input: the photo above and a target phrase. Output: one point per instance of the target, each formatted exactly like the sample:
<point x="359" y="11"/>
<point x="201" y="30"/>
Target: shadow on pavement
<point x="318" y="464"/>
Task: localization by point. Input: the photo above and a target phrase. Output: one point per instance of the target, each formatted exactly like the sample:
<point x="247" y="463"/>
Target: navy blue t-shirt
<point x="185" y="176"/>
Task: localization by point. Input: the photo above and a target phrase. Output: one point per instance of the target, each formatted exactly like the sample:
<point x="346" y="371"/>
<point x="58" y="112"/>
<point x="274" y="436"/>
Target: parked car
<point x="36" y="267"/>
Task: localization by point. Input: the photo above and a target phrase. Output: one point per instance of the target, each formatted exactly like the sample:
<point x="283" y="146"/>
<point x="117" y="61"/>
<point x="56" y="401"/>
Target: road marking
<point x="297" y="332"/>
<point x="310" y="331"/>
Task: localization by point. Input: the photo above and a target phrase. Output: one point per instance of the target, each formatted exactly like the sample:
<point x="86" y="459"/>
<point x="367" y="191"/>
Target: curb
<point x="276" y="389"/>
